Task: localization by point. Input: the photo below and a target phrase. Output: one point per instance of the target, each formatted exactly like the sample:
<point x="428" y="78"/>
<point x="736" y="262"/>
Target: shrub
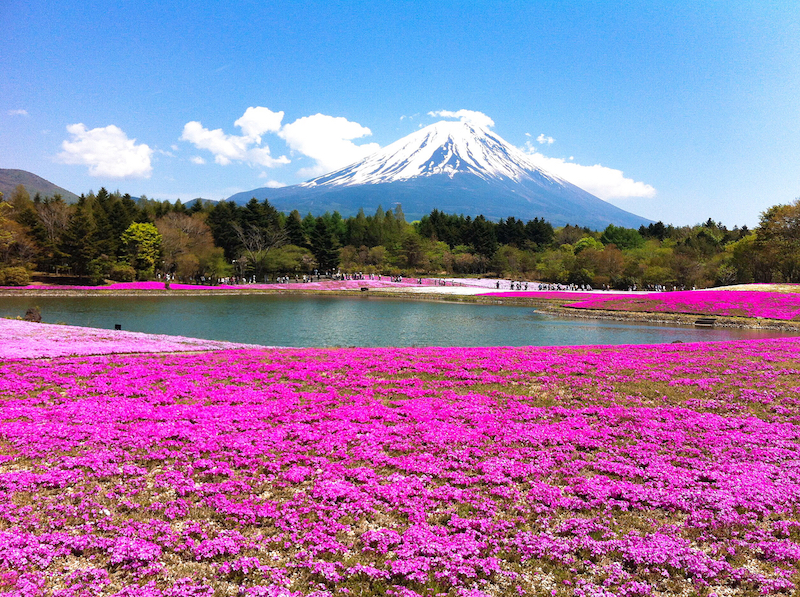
<point x="122" y="272"/>
<point x="33" y="314"/>
<point x="14" y="276"/>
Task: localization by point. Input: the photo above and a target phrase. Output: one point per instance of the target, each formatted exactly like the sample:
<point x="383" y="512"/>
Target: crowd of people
<point x="338" y="275"/>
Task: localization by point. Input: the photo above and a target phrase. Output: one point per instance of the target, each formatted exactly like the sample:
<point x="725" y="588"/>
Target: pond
<point x="358" y="321"/>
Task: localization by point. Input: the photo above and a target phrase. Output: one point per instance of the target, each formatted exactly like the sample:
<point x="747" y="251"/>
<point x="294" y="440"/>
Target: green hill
<point x="10" y="179"/>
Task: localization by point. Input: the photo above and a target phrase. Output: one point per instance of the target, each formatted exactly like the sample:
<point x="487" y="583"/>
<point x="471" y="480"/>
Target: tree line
<point x="111" y="236"/>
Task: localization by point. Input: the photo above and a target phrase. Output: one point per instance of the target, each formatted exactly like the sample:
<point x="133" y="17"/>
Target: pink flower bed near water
<point x="459" y="472"/>
<point x="556" y="295"/>
<point x="773" y="305"/>
<point x="322" y="285"/>
<point x="23" y="339"/>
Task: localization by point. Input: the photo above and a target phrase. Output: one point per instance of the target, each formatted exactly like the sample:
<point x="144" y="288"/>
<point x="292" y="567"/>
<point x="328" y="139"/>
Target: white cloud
<point x="328" y="141"/>
<point x="606" y="183"/>
<point x="19" y="112"/>
<point x="471" y="116"/>
<point x="173" y="147"/>
<point x="271" y="184"/>
<point x="233" y="148"/>
<point x="542" y="140"/>
<point x="107" y="151"/>
<point x="259" y="120"/>
<point x="197" y="160"/>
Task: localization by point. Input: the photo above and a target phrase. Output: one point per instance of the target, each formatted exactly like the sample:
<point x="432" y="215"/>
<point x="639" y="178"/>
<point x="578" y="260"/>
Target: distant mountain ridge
<point x="456" y="167"/>
<point x="10" y="179"/>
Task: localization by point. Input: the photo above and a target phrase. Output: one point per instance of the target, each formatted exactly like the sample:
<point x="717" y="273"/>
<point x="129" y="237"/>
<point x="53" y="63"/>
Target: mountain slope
<point x="455" y="167"/>
<point x="10" y="179"/>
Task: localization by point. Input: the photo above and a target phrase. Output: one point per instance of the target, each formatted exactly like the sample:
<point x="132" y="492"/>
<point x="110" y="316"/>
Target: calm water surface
<point x="358" y="321"/>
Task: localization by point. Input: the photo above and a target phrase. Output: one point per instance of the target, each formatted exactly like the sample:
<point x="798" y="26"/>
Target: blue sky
<point x="677" y="111"/>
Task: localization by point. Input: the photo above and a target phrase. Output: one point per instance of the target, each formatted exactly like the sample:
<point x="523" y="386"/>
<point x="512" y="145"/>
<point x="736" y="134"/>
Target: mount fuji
<point x="455" y="167"/>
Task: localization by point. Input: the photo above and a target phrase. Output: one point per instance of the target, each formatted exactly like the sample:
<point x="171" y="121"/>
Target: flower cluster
<point x="726" y="303"/>
<point x="558" y="295"/>
<point x="23" y="339"/>
<point x="458" y="472"/>
<point x="321" y="285"/>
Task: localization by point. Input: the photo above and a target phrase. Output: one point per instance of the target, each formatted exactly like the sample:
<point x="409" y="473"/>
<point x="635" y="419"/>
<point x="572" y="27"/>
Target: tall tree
<point x="142" y="244"/>
<point x="294" y="230"/>
<point x="778" y="241"/>
<point x="79" y="242"/>
<point x="221" y="219"/>
<point x="186" y="243"/>
<point x="256" y="243"/>
<point x="325" y="245"/>
<point x="483" y="237"/>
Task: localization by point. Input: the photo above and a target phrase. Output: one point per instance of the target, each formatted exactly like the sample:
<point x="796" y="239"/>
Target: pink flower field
<point x="23" y="339"/>
<point x="558" y="295"/>
<point x="458" y="472"/>
<point x="322" y="285"/>
<point x="730" y="303"/>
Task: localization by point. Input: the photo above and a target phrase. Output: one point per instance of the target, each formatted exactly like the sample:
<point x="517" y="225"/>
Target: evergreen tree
<point x="325" y="245"/>
<point x="539" y="232"/>
<point x="357" y="229"/>
<point x="294" y="230"/>
<point x="483" y="237"/>
<point x="119" y="219"/>
<point x="79" y="241"/>
<point x="623" y="238"/>
<point x="399" y="216"/>
<point x="309" y="224"/>
<point x="221" y="219"/>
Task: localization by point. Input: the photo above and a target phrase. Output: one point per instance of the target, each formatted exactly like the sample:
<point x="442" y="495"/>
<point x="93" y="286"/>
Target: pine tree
<point x="325" y="246"/>
<point x="294" y="230"/>
<point x="79" y="241"/>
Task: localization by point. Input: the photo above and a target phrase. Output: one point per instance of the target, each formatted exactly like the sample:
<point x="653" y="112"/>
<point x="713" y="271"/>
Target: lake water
<point x="357" y="321"/>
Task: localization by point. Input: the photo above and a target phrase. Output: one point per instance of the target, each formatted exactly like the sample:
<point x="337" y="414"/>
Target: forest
<point x="109" y="236"/>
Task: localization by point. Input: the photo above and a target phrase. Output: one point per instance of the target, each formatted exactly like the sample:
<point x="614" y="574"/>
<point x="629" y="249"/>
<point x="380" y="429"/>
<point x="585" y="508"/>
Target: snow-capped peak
<point x="446" y="147"/>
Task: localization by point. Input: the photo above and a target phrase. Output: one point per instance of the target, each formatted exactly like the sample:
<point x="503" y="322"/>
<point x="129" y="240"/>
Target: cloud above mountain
<point x="246" y="148"/>
<point x="600" y="181"/>
<point x="259" y="120"/>
<point x="107" y="151"/>
<point x="471" y="116"/>
<point x="326" y="140"/>
<point x="544" y="139"/>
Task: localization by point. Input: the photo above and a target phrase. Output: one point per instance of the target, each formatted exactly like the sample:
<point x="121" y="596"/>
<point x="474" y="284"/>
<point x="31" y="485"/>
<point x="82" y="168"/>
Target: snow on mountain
<point x="455" y="167"/>
<point x="443" y="148"/>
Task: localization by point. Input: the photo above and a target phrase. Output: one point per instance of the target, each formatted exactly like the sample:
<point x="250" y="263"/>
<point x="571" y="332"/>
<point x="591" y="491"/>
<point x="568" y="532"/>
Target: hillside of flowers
<point x="726" y="303"/>
<point x="457" y="472"/>
<point x="24" y="339"/>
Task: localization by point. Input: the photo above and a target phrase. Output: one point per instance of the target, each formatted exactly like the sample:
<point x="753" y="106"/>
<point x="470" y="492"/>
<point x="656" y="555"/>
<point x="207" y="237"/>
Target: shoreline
<point x="547" y="306"/>
<point x="683" y="319"/>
